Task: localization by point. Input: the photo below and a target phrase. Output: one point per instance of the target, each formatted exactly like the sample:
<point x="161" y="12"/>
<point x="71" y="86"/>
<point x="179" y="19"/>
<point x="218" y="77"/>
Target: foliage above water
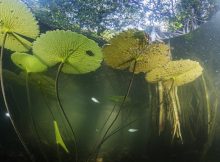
<point x="100" y="15"/>
<point x="85" y="14"/>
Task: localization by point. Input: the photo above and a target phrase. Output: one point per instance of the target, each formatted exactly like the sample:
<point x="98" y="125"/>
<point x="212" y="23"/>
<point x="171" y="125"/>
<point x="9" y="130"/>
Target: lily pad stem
<point x="105" y="136"/>
<point x="6" y="103"/>
<point x="62" y="109"/>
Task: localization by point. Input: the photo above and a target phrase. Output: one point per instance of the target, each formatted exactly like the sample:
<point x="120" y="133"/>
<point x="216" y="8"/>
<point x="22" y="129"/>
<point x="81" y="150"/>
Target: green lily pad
<point x="78" y="53"/>
<point x="29" y="63"/>
<point x="17" y="20"/>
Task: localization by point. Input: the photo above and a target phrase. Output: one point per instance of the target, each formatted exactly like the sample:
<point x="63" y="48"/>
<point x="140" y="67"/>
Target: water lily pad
<point x="132" y="47"/>
<point x="29" y="63"/>
<point x="179" y="72"/>
<point x="122" y="50"/>
<point x="78" y="53"/>
<point x="17" y="20"/>
<point x="155" y="55"/>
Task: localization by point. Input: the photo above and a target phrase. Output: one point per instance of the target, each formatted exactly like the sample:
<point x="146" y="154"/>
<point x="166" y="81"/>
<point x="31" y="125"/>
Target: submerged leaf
<point x="17" y="20"/>
<point x="29" y="63"/>
<point x="179" y="72"/>
<point x="78" y="53"/>
<point x="59" y="139"/>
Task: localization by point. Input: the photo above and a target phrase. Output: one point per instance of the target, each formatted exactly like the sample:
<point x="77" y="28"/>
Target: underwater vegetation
<point x="35" y="54"/>
<point x="59" y="139"/>
<point x="138" y="55"/>
<point x="169" y="77"/>
<point x="75" y="53"/>
<point x="14" y="33"/>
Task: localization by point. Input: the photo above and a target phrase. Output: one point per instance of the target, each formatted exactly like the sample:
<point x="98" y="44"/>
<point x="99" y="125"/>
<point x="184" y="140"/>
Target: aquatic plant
<point x="30" y="64"/>
<point x="126" y="51"/>
<point x="59" y="139"/>
<point x="75" y="54"/>
<point x="17" y="28"/>
<point x="131" y="50"/>
<point x="168" y="78"/>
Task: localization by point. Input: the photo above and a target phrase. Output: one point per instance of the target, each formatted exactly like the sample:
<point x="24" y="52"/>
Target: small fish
<point x="132" y="130"/>
<point x="95" y="100"/>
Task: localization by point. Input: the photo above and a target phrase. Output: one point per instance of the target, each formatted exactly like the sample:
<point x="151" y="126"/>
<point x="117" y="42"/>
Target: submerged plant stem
<point x="32" y="117"/>
<point x="162" y="113"/>
<point x="122" y="104"/>
<point x="6" y="103"/>
<point x="175" y="115"/>
<point x="207" y="105"/>
<point x="96" y="152"/>
<point x="62" y="109"/>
